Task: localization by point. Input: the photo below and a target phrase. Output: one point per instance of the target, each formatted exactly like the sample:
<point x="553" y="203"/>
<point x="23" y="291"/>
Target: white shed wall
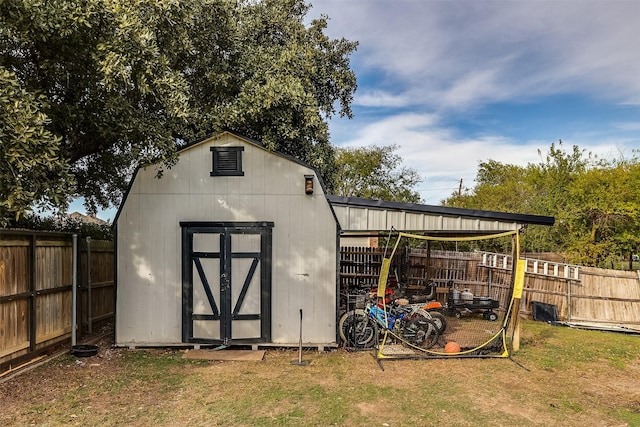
<point x="149" y="300"/>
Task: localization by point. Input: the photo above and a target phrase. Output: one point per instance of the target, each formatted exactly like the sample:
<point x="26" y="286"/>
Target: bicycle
<point x="410" y="324"/>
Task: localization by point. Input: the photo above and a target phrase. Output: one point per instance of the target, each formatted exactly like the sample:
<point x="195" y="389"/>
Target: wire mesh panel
<point x="461" y="308"/>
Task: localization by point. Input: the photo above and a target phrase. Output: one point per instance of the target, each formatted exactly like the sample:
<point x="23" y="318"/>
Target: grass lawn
<point x="563" y="376"/>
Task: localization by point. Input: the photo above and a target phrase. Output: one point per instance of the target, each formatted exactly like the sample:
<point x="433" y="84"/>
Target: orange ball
<point x="452" y="347"/>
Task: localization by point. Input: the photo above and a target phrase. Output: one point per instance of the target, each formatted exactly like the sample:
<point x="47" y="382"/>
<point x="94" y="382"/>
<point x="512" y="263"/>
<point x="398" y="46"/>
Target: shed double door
<point x="226" y="282"/>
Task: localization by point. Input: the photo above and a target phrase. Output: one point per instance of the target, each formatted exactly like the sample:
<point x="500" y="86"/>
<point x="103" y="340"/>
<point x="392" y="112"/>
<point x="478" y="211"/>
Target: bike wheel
<point x="357" y="330"/>
<point x="432" y="336"/>
<point x="421" y="332"/>
<point x="437" y="317"/>
<point x="439" y="320"/>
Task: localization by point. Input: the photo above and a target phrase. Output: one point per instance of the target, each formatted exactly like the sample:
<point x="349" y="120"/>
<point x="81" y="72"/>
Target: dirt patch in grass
<point x="572" y="378"/>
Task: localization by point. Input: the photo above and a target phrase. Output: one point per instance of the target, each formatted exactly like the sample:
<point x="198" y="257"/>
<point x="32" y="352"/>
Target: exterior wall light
<point x="308" y="184"/>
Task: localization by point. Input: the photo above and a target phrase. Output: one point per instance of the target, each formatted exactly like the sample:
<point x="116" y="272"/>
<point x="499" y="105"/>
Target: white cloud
<point x="627" y="125"/>
<point x="467" y="52"/>
<point x="439" y="154"/>
<point x="380" y="98"/>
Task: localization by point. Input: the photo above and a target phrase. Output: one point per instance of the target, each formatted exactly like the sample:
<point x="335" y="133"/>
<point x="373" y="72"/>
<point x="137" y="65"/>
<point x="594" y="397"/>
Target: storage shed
<point x="233" y="241"/>
<point x="226" y="248"/>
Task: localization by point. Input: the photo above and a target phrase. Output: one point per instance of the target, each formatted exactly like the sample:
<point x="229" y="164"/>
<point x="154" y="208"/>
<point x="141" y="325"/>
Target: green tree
<point x="499" y="187"/>
<point x="117" y="84"/>
<point x="596" y="203"/>
<point x="375" y="172"/>
<point x="549" y="181"/>
<point x="602" y="213"/>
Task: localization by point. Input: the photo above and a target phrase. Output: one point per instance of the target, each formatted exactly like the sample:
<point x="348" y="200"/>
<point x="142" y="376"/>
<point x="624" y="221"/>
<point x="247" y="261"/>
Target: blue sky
<point x="453" y="83"/>
<point x="456" y="82"/>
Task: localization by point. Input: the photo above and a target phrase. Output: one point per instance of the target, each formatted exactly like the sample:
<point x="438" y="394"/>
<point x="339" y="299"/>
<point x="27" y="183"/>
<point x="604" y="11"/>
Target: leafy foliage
<point x="375" y="173"/>
<point x="30" y="162"/>
<point x="108" y="85"/>
<point x="64" y="224"/>
<point x="596" y="202"/>
<point x="604" y="213"/>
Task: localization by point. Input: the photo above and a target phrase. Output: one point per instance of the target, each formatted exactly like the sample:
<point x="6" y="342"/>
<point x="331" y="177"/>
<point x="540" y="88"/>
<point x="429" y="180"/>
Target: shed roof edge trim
<point x="440" y="210"/>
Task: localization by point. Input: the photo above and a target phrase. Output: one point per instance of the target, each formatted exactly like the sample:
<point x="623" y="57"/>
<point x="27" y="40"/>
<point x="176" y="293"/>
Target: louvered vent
<point x="227" y="161"/>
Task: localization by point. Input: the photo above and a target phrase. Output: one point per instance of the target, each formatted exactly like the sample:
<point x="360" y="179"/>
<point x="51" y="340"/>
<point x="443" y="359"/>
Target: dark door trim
<point x="261" y="260"/>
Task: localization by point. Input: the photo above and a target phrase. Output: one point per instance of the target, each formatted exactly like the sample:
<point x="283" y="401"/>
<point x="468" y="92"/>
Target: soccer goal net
<point x="439" y="297"/>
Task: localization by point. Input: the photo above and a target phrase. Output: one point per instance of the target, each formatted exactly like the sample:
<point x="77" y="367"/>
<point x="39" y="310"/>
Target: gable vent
<point x="227" y="161"/>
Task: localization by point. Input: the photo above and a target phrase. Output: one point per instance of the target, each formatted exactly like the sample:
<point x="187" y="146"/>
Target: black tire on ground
<point x="421" y="332"/>
<point x="357" y="330"/>
<point x="432" y="338"/>
<point x="439" y="320"/>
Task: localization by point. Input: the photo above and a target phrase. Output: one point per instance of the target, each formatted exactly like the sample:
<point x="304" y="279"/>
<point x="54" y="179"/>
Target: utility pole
<point x="459" y="193"/>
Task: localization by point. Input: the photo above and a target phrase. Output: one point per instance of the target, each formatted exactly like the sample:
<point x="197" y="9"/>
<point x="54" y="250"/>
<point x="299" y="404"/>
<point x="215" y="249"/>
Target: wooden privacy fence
<point x="359" y="267"/>
<point x="597" y="296"/>
<point x="581" y="294"/>
<point x="36" y="278"/>
<point x="413" y="268"/>
<point x="457" y="270"/>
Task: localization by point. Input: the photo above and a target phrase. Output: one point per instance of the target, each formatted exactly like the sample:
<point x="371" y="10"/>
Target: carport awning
<point x="365" y="215"/>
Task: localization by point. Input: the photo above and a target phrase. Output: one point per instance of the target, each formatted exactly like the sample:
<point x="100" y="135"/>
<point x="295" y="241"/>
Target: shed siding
<point x="272" y="189"/>
<point x="354" y="218"/>
<point x="377" y="217"/>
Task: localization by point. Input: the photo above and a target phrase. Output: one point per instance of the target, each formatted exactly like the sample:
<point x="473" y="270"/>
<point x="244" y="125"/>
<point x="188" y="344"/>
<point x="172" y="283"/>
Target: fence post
<point x="74" y="290"/>
<point x="32" y="292"/>
<point x="89" y="305"/>
<point x="569" y="300"/>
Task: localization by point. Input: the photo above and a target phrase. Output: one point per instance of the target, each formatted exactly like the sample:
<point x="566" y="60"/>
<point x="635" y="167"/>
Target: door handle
<point x="224" y="282"/>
